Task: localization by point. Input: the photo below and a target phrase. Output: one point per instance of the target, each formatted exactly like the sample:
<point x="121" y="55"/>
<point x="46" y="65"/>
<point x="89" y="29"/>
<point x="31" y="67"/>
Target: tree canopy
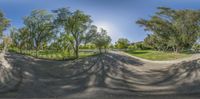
<point x="61" y="30"/>
<point x="172" y="29"/>
<point x="40" y="27"/>
<point x="122" y="43"/>
<point x="4" y="23"/>
<point x="102" y="40"/>
<point x="77" y="27"/>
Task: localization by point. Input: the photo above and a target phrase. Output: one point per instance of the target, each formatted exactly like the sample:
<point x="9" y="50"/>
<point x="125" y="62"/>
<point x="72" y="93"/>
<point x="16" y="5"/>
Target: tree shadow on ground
<point x="43" y="78"/>
<point x="110" y="74"/>
<point x="183" y="76"/>
<point x="10" y="77"/>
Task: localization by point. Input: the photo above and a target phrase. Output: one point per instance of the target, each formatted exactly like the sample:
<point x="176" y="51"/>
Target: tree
<point x="172" y="29"/>
<point x="20" y="38"/>
<point x="122" y="43"/>
<point x="131" y="47"/>
<point x="75" y="25"/>
<point x="153" y="42"/>
<point x="90" y="35"/>
<point x="111" y="46"/>
<point x="4" y="23"/>
<point x="196" y="47"/>
<point x="102" y="40"/>
<point x="17" y="38"/>
<point x="14" y="36"/>
<point x="87" y="46"/>
<point x="140" y="46"/>
<point x="6" y="42"/>
<point x="40" y="26"/>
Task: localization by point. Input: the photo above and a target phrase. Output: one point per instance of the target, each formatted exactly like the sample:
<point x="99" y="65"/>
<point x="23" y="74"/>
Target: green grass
<point x="158" y="55"/>
<point x="54" y="55"/>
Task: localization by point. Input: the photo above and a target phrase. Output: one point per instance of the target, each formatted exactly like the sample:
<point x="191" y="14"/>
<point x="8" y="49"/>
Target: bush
<point x="88" y="46"/>
<point x="196" y="47"/>
<point x="131" y="47"/>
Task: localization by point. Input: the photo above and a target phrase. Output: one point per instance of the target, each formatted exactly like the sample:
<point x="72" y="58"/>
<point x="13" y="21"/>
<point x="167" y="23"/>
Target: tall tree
<point x="40" y="26"/>
<point x="75" y="25"/>
<point x="4" y="23"/>
<point x="102" y="40"/>
<point x="6" y="42"/>
<point x="20" y="38"/>
<point x="173" y="29"/>
<point x="14" y="36"/>
<point x="90" y="35"/>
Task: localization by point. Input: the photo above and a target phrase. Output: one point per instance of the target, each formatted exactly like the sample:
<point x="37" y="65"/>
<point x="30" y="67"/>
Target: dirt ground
<point x="108" y="76"/>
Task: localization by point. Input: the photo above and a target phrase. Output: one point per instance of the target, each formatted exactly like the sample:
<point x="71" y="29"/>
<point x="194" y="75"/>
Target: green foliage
<point x="102" y="40"/>
<point x="20" y="37"/>
<point x="172" y="29"/>
<point x="138" y="46"/>
<point x="111" y="46"/>
<point x="90" y="35"/>
<point x="38" y="30"/>
<point x="52" y="54"/>
<point x="196" y="47"/>
<point x="7" y="41"/>
<point x="1" y="47"/>
<point x="157" y="55"/>
<point x="75" y="25"/>
<point x="87" y="46"/>
<point x="40" y="27"/>
<point x="62" y="30"/>
<point x="4" y="23"/>
<point x="122" y="43"/>
<point x="132" y="47"/>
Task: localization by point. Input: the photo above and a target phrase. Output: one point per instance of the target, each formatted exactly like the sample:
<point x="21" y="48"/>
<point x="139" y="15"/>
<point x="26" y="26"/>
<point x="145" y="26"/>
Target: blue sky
<point x="116" y="16"/>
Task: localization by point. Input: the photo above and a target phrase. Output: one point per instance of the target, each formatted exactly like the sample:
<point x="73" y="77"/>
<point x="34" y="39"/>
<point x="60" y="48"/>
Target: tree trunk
<point x="37" y="46"/>
<point x="100" y="50"/>
<point x="20" y="50"/>
<point x="178" y="48"/>
<point x="174" y="49"/>
<point x="36" y="53"/>
<point x="76" y="51"/>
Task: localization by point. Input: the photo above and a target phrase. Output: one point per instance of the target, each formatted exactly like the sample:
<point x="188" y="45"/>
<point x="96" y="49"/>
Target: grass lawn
<point x="55" y="55"/>
<point x="158" y="55"/>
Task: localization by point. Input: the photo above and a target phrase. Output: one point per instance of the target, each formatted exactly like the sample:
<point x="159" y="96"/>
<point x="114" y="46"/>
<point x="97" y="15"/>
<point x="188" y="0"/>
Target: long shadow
<point x="47" y="79"/>
<point x="51" y="75"/>
<point x="64" y="78"/>
<point x="184" y="76"/>
<point x="179" y="71"/>
<point x="10" y="78"/>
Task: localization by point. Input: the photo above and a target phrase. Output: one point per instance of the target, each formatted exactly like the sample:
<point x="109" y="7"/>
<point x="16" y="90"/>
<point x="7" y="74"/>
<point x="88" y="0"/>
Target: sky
<point x="118" y="17"/>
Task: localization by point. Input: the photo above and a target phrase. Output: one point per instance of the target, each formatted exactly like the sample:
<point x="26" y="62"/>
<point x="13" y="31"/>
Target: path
<point x="109" y="76"/>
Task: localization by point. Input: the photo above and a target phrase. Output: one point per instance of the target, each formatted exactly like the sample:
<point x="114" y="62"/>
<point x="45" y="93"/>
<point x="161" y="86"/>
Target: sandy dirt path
<point x="108" y="76"/>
